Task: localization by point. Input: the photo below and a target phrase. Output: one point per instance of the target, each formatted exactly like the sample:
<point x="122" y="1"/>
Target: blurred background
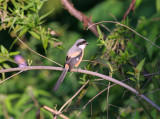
<point x="22" y="95"/>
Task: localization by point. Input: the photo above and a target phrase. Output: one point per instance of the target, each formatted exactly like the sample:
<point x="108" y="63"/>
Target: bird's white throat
<point x="82" y="46"/>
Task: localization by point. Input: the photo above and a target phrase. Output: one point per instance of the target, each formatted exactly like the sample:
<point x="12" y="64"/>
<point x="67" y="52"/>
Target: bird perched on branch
<point x="73" y="59"/>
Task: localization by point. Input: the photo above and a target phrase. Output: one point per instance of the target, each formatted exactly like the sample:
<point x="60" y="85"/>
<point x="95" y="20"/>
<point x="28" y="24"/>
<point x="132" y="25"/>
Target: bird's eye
<point x="81" y="43"/>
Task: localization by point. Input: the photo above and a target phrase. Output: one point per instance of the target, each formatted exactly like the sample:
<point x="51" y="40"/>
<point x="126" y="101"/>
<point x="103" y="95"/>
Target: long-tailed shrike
<point x="73" y="59"/>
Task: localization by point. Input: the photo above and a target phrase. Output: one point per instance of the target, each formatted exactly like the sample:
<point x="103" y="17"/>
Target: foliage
<point x="122" y="55"/>
<point x="24" y="17"/>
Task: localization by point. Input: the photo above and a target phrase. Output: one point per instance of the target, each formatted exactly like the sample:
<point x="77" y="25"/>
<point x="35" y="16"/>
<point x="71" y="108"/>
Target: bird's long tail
<point x="60" y="80"/>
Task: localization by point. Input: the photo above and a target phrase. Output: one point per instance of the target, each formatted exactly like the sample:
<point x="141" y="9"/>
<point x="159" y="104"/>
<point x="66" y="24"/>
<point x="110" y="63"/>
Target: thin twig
<point x="38" y="53"/>
<point x="153" y="91"/>
<point x="155" y="40"/>
<point x="127" y="28"/>
<point x="107" y="98"/>
<point x="90" y="73"/>
<point x="54" y="112"/>
<point x="93" y="99"/>
<point x="11" y="76"/>
<point x="129" y="9"/>
<point x="69" y="101"/>
<point x="73" y="96"/>
<point x="25" y="111"/>
<point x="9" y="60"/>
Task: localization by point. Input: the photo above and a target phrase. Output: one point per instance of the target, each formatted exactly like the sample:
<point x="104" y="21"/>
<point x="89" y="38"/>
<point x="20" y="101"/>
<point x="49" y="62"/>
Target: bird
<point x="73" y="59"/>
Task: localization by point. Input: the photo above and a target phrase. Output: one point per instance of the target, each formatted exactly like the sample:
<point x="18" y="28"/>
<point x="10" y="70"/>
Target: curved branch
<point x="131" y="7"/>
<point x="80" y="16"/>
<point x="86" y="72"/>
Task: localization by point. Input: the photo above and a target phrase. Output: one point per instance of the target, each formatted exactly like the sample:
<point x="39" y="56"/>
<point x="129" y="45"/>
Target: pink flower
<point x="20" y="61"/>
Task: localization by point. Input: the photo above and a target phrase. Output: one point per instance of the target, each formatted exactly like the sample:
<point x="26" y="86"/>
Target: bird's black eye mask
<point x="81" y="43"/>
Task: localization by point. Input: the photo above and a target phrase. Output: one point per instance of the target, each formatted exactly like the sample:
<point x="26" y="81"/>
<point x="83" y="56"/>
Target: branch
<point x="55" y="112"/>
<point x="80" y="16"/>
<point x="38" y="53"/>
<point x="73" y="96"/>
<point x="90" y="73"/>
<point x="129" y="9"/>
<point x="93" y="99"/>
<point x="127" y="28"/>
<point x="60" y="110"/>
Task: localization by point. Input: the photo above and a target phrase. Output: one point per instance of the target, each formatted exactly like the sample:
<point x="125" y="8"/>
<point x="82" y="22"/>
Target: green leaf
<point x="4" y="50"/>
<point x="13" y="22"/>
<point x="18" y="28"/>
<point x="45" y="44"/>
<point x="100" y="33"/>
<point x="3" y="74"/>
<point x="34" y="34"/>
<point x="111" y="69"/>
<point x="43" y="16"/>
<point x="8" y="101"/>
<point x="22" y="32"/>
<point x="1" y="59"/>
<point x="133" y="79"/>
<point x="6" y="66"/>
<point x="43" y="93"/>
<point x="131" y="73"/>
<point x="158" y="5"/>
<point x="21" y="102"/>
<point x="14" y="53"/>
<point x="13" y="43"/>
<point x="140" y="65"/>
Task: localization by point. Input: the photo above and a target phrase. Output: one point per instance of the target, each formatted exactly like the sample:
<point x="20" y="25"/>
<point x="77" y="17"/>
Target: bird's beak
<point x="87" y="43"/>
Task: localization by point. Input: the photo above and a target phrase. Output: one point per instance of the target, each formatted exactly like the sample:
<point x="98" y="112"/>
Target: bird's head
<point x="81" y="43"/>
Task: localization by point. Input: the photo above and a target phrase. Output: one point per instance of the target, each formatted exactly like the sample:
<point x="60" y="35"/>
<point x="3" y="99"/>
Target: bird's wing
<point x="71" y="60"/>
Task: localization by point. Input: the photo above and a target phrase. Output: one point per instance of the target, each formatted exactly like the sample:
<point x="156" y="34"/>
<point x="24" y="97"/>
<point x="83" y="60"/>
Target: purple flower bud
<point x="20" y="61"/>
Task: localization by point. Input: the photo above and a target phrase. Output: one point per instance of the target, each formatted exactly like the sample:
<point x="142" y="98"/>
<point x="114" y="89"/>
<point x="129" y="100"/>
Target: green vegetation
<point x="130" y="53"/>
